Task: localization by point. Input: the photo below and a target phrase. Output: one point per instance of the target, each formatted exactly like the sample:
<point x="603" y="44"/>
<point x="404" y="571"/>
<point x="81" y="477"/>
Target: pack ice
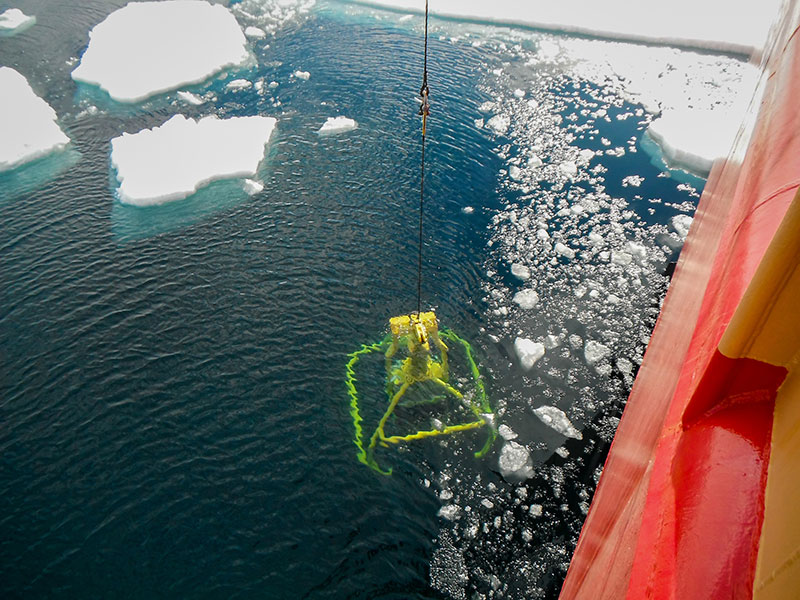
<point x="174" y="160"/>
<point x="28" y="127"/>
<point x="147" y="48"/>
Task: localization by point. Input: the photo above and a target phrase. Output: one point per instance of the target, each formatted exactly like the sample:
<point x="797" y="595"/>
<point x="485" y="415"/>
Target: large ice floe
<point x="28" y="125"/>
<point x="174" y="160"/>
<point x="710" y="24"/>
<point x="15" y="21"/>
<point x="147" y="48"/>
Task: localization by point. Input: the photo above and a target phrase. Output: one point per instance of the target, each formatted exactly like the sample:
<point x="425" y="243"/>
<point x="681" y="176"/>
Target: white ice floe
<point x="191" y="98"/>
<point x="252" y="187"/>
<point x="239" y="84"/>
<point x="594" y="352"/>
<point x="520" y="271"/>
<point x="147" y="48"/>
<point x="506" y="432"/>
<point x="556" y="419"/>
<point x="692" y="139"/>
<point x="713" y="24"/>
<point x="182" y="155"/>
<point x="681" y="225"/>
<point x="254" y="32"/>
<point x="526" y="299"/>
<point x="304" y="75"/>
<point x="499" y="123"/>
<point x="515" y="462"/>
<point x="528" y="352"/>
<point x="15" y="21"/>
<point x="337" y="125"/>
<point x="28" y="126"/>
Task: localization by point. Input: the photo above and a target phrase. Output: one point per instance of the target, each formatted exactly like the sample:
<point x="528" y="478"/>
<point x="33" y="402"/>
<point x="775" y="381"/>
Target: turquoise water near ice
<point x="174" y="417"/>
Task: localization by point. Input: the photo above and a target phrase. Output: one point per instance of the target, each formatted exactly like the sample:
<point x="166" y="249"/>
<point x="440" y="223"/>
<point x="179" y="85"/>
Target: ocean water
<point x="175" y="421"/>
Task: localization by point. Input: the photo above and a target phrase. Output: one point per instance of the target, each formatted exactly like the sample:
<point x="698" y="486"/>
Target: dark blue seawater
<point x="173" y="416"/>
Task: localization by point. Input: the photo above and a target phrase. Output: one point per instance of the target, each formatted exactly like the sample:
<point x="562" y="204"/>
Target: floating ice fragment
<point x="564" y="250"/>
<point x="252" y="186"/>
<point x="304" y="75"/>
<point x="14" y="21"/>
<point x="632" y="180"/>
<point x="624" y="365"/>
<point x="528" y="351"/>
<point x="527" y="535"/>
<point x="562" y="452"/>
<point x="556" y="419"/>
<point x="337" y="125"/>
<point x="451" y="512"/>
<point x="506" y="432"/>
<point x="28" y="127"/>
<point x="552" y="341"/>
<point x="534" y="161"/>
<point x="518" y="93"/>
<point x="176" y="159"/>
<point x="191" y="98"/>
<point x="568" y="168"/>
<point x="681" y="225"/>
<point x="535" y="510"/>
<point x="595" y="238"/>
<point x="515" y="172"/>
<point x="515" y="462"/>
<point x="621" y="258"/>
<point x="520" y="271"/>
<point x="239" y="84"/>
<point x="585" y="155"/>
<point x="526" y="299"/>
<point x="487" y="106"/>
<point x="468" y="210"/>
<point x="255" y="33"/>
<point x="595" y="352"/>
<point x="146" y="48"/>
<point x="499" y="123"/>
<point x="542" y="234"/>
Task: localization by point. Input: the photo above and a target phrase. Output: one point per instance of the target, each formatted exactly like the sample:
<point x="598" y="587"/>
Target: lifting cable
<point x="424" y="110"/>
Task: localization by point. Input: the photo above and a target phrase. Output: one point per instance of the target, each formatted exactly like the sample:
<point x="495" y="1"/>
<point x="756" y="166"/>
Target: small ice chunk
<point x="468" y="210"/>
<point x="542" y="234"/>
<point x="534" y="161"/>
<point x="174" y="160"/>
<point x="535" y="510"/>
<point x="527" y="535"/>
<point x="562" y="452"/>
<point x="624" y="365"/>
<point x="486" y="503"/>
<point x="15" y="21"/>
<point x="681" y="225"/>
<point x="595" y="352"/>
<point x="28" y="125"/>
<point x="451" y="512"/>
<point x="638" y="252"/>
<point x="632" y="181"/>
<point x="564" y="250"/>
<point x="518" y="93"/>
<point x="255" y="33"/>
<point x="239" y="84"/>
<point x="515" y="462"/>
<point x="595" y="239"/>
<point x="337" y="125"/>
<point x="147" y="48"/>
<point x="528" y="351"/>
<point x="499" y="123"/>
<point x="272" y="85"/>
<point x="506" y="432"/>
<point x="252" y="187"/>
<point x="515" y="172"/>
<point x="526" y="299"/>
<point x="304" y="75"/>
<point x="556" y="419"/>
<point x="568" y="168"/>
<point x="621" y="258"/>
<point x="552" y="341"/>
<point x="585" y="155"/>
<point x="191" y="98"/>
<point x="520" y="271"/>
<point x="487" y="107"/>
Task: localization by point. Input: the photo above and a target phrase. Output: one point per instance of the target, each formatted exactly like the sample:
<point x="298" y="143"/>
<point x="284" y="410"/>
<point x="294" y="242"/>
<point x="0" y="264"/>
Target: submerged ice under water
<point x="173" y="382"/>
